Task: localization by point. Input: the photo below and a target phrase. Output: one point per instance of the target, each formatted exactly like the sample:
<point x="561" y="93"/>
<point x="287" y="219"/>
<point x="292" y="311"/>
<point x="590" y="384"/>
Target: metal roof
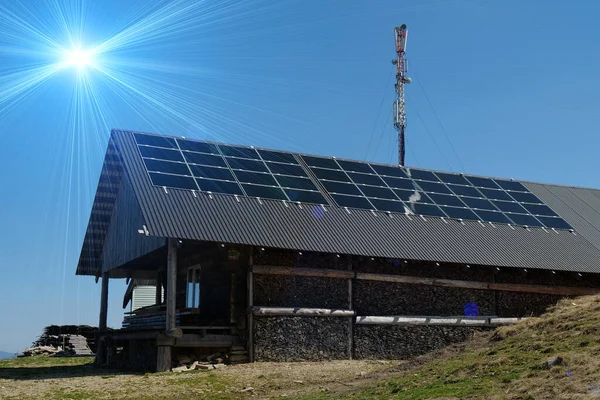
<point x="185" y="214"/>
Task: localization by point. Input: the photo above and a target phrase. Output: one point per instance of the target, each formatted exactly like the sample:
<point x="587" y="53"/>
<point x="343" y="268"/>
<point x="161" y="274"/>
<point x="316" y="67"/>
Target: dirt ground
<point x="76" y="378"/>
<point x="260" y="380"/>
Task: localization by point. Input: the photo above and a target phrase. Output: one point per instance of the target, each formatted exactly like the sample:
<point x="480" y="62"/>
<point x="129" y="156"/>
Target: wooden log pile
<point x="64" y="340"/>
<point x="150" y="317"/>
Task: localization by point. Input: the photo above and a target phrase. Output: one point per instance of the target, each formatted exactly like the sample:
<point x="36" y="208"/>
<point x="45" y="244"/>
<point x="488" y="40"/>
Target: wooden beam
<point x="350" y="319"/>
<point x="171" y="284"/>
<point x="323" y="273"/>
<point x="416" y="280"/>
<point x="557" y="290"/>
<point x="158" y="295"/>
<point x="103" y="303"/>
<point x="435" y="321"/>
<point x="250" y="304"/>
<point x="163" y="356"/>
<point x="422" y="281"/>
<point x="163" y="359"/>
<point x="101" y="339"/>
<point x="306" y="312"/>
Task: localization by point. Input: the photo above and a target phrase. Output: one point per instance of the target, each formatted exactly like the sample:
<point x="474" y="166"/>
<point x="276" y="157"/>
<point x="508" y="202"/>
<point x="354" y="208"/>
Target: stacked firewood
<point x="64" y="340"/>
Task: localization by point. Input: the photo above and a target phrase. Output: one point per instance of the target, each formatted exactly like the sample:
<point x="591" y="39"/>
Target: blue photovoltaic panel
<point x="234" y="170"/>
<point x="428" y="193"/>
<point x="422" y="175"/>
<point x="157" y="141"/>
<point x="276" y="156"/>
<point x="246" y="171"/>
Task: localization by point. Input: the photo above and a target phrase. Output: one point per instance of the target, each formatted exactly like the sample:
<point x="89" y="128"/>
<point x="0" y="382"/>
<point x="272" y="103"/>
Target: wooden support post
<point x="350" y="319"/>
<point x="158" y="296"/>
<point x="101" y="342"/>
<point x="171" y="283"/>
<point x="250" y="304"/>
<point x="163" y="357"/>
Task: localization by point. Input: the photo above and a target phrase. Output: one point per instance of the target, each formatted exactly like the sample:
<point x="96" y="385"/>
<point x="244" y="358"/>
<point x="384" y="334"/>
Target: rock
<point x="553" y="361"/>
<point x="395" y="342"/>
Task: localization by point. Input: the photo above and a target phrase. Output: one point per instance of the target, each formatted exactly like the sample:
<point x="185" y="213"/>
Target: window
<point x="193" y="287"/>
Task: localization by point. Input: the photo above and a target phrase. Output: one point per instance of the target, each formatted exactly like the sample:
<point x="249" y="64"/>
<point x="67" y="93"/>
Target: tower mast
<point x="400" y="36"/>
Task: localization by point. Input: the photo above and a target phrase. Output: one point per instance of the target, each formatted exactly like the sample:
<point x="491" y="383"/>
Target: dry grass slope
<point x="511" y="363"/>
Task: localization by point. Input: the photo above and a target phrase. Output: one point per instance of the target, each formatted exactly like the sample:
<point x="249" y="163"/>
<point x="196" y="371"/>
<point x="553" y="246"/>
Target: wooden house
<point x="272" y="255"/>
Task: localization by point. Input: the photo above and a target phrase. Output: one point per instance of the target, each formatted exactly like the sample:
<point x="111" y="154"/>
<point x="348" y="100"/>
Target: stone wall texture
<point x="388" y="298"/>
<point x="300" y="291"/>
<point x="301" y="338"/>
<point x="403" y="342"/>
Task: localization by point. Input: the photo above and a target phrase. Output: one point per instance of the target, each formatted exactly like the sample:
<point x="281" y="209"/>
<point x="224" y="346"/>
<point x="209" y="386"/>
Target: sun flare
<point x="78" y="58"/>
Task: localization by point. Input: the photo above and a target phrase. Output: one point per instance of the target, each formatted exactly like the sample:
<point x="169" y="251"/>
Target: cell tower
<point x="400" y="35"/>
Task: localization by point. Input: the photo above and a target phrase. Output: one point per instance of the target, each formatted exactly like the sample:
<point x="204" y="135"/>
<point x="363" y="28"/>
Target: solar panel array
<point x="416" y="191"/>
<point x="217" y="168"/>
<point x="245" y="171"/>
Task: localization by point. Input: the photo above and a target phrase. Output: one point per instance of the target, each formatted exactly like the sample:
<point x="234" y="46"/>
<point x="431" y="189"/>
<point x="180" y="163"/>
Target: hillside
<point x="511" y="363"/>
<point x="5" y="355"/>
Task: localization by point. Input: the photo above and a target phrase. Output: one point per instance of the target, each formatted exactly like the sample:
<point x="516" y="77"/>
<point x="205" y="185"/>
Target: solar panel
<point x="378" y="192"/>
<point x="211" y="185"/>
<point x="234" y="170"/>
<point x="459" y="213"/>
<point x="425" y="209"/>
<point x="524" y="219"/>
<point x="157" y="141"/>
<point x="412" y="196"/>
<point x="183" y="182"/>
<point x="276" y="156"/>
<point x="423" y="175"/>
<point x="166" y="167"/>
<point x="511" y="185"/>
<point x="246" y="171"/>
<point x="352" y="201"/>
<point x="452" y="178"/>
<point x="286" y="169"/>
<point x="242" y="152"/>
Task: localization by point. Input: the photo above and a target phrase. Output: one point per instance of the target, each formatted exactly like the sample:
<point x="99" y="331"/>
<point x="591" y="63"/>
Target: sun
<point x="78" y="58"/>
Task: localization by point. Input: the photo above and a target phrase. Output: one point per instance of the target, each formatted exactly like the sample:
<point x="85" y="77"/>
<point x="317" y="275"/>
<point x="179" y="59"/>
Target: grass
<point x="45" y="361"/>
<point x="510" y="364"/>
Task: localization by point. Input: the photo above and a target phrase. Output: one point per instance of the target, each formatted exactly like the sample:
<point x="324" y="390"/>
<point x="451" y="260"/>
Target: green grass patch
<point x="45" y="361"/>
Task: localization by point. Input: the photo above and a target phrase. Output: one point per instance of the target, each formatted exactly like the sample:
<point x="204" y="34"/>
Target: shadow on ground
<point x="60" y="372"/>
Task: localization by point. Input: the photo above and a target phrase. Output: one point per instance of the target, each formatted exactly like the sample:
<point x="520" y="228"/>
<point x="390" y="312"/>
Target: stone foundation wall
<point x="402" y="342"/>
<point x="301" y="338"/>
<point x="300" y="291"/>
<point x="513" y="304"/>
<point x="388" y="298"/>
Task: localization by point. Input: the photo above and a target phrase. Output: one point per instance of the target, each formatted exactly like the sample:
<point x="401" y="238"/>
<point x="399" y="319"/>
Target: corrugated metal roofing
<point x="269" y="223"/>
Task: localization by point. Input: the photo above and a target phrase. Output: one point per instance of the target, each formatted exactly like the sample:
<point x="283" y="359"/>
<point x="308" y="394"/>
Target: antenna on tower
<point x="400" y="35"/>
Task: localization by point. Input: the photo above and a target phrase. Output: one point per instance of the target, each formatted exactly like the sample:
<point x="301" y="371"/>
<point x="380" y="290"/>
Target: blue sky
<point x="503" y="89"/>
